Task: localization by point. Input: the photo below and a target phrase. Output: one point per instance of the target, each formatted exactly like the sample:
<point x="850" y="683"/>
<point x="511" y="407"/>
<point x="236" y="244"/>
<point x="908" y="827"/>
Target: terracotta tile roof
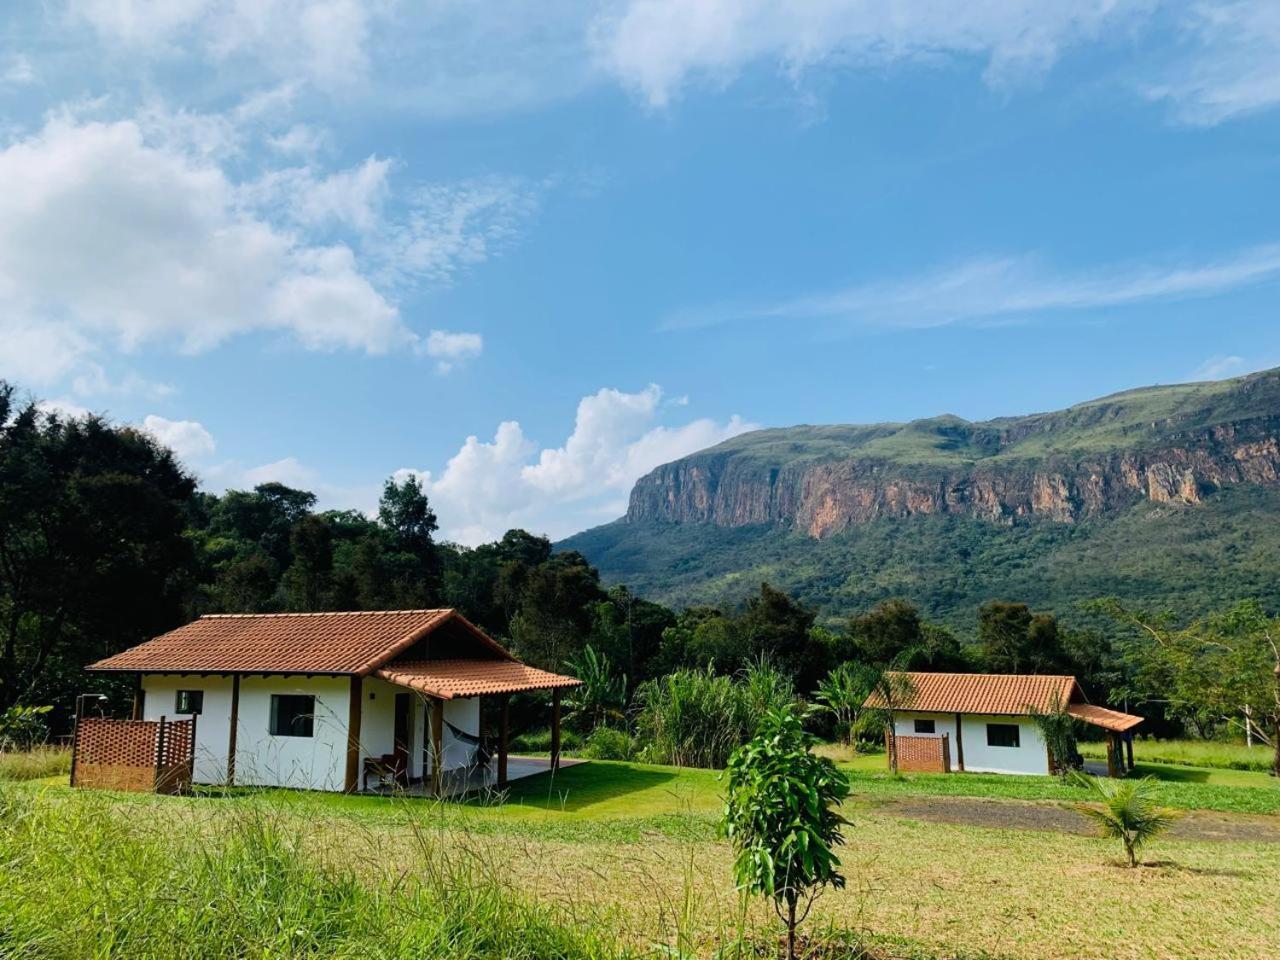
<point x="448" y="679"/>
<point x="1112" y="720"/>
<point x="1003" y="693"/>
<point x="339" y="643"/>
<point x="992" y="693"/>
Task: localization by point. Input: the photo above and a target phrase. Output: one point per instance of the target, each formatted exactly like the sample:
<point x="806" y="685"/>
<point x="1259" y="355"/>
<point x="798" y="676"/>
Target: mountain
<point x="1165" y="495"/>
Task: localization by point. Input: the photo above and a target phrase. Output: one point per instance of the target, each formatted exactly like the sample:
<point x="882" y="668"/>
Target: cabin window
<point x="189" y="701"/>
<point x="1002" y="735"/>
<point x="925" y="726"/>
<point x="292" y="715"/>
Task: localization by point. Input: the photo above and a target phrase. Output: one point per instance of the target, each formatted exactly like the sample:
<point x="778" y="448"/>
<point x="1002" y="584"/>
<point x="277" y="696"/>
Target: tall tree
<point x="93" y="556"/>
<point x="308" y="581"/>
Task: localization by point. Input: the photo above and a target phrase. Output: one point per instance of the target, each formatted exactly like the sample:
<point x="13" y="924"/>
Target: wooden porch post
<point x="351" y="782"/>
<point x="235" y="726"/>
<point x="959" y="746"/>
<point x="555" y="730"/>
<point x="1128" y="749"/>
<point x="504" y="728"/>
<point x="437" y="745"/>
<point x="138" y="694"/>
<point x="1111" y="756"/>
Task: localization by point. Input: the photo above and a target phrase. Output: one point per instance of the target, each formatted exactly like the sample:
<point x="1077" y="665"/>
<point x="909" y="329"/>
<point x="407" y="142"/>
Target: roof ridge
<point x="324" y="613"/>
<point x="964" y="673"/>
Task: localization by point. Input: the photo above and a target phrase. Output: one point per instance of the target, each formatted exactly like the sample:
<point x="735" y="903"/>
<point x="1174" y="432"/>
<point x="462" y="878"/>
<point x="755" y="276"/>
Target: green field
<point x="618" y="858"/>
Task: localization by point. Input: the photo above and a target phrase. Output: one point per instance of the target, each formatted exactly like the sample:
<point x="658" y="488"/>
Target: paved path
<point x="1023" y="815"/>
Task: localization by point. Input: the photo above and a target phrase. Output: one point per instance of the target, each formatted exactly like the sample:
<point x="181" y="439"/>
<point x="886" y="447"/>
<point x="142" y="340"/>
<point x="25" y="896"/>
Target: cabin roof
<point x="354" y="643"/>
<point x="1012" y="694"/>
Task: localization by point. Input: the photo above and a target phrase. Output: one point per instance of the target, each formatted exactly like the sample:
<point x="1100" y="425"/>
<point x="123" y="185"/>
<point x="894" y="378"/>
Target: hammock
<point x="479" y="755"/>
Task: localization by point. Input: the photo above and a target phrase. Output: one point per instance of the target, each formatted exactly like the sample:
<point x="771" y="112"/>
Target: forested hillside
<point x="1165" y="496"/>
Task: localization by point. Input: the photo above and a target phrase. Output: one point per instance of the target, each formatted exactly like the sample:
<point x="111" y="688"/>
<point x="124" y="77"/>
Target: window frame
<point x="192" y="709"/>
<point x="308" y="717"/>
<point x="928" y="722"/>
<point x="1016" y="739"/>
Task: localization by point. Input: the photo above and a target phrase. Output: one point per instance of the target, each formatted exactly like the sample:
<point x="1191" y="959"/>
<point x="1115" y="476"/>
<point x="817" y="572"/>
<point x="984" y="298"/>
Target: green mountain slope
<point x="1168" y="496"/>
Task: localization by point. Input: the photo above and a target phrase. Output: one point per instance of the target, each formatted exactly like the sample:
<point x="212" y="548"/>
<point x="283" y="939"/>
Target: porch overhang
<point x="454" y="679"/>
<point x="1110" y="720"/>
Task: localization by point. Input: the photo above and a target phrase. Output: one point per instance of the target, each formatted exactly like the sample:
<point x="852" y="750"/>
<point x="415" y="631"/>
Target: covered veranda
<point x="486" y="762"/>
<point x="1117" y="728"/>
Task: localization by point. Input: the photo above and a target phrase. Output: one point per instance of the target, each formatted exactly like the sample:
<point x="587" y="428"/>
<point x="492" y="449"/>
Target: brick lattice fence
<point x="137" y="755"/>
<point x="923" y="753"/>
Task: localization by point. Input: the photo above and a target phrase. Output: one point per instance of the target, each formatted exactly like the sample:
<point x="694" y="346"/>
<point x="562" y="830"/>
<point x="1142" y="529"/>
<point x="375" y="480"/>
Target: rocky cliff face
<point x="1179" y="458"/>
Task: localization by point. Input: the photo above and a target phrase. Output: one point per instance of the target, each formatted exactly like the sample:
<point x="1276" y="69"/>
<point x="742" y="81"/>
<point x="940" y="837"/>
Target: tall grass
<point x="81" y="880"/>
<point x="1194" y="753"/>
<point x="35" y="764"/>
<point x="695" y="718"/>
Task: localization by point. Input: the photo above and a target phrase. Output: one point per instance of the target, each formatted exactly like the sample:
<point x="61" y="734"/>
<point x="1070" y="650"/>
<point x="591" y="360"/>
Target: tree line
<point x="106" y="540"/>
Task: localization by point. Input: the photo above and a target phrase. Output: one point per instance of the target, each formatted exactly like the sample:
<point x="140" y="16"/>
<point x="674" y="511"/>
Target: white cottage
<point x="984" y="722"/>
<point x="336" y="701"/>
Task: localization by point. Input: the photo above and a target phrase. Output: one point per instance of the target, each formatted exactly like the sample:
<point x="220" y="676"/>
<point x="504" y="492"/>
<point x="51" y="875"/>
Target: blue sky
<point x="530" y="251"/>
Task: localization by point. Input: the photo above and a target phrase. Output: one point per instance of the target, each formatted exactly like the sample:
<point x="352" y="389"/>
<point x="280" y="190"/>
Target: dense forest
<point x="106" y="540"/>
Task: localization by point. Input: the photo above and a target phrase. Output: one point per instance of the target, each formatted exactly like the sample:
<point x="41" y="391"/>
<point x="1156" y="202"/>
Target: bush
<point x="606" y="743"/>
<point x="694" y="718"/>
<point x="21" y="728"/>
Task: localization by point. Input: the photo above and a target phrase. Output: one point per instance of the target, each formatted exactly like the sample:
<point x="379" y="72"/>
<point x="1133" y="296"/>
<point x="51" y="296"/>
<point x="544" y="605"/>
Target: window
<point x="925" y="726"/>
<point x="1002" y="735"/>
<point x="189" y="701"/>
<point x="292" y="715"/>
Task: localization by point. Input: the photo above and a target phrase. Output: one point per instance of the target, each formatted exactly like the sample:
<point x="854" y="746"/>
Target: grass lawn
<point x="632" y="848"/>
<point x="1197" y="753"/>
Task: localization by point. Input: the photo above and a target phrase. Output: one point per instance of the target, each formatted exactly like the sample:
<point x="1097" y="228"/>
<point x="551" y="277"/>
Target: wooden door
<point x="402" y="733"/>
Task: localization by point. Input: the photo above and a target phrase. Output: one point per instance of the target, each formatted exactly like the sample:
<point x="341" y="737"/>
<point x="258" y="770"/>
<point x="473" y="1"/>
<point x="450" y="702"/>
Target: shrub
<point x="779" y="814"/>
<point x="21" y="728"/>
<point x="606" y="743"/>
<point x="1128" y="812"/>
<point x="696" y="718"/>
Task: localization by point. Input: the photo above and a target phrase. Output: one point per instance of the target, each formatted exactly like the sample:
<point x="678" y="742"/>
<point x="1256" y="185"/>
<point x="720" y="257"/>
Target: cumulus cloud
<point x="188" y="439"/>
<point x="488" y="487"/>
<point x="115" y="240"/>
<point x="288" y="470"/>
<point x="451" y="349"/>
<point x="17" y="71"/>
<point x="657" y="46"/>
<point x="130" y="233"/>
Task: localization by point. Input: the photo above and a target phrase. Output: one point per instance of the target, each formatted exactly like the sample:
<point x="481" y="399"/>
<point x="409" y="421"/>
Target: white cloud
<point x="325" y="41"/>
<point x="133" y="244"/>
<point x="288" y="471"/>
<point x="1232" y="67"/>
<point x="451" y="226"/>
<point x="18" y="71"/>
<point x="66" y="409"/>
<point x="488" y="487"/>
<point x="996" y="289"/>
<point x="118" y="235"/>
<point x="188" y="439"/>
<point x="657" y="46"/>
<point x="1218" y="367"/>
<point x="452" y="349"/>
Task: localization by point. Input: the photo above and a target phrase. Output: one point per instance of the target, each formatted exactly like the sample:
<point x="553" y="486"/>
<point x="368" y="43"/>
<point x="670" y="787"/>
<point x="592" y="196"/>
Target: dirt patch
<point x="1018" y="815"/>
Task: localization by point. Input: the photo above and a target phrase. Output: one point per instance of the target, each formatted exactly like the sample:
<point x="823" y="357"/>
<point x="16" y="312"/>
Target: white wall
<point x="1031" y="756"/>
<point x="318" y="762"/>
<point x="213" y="725"/>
